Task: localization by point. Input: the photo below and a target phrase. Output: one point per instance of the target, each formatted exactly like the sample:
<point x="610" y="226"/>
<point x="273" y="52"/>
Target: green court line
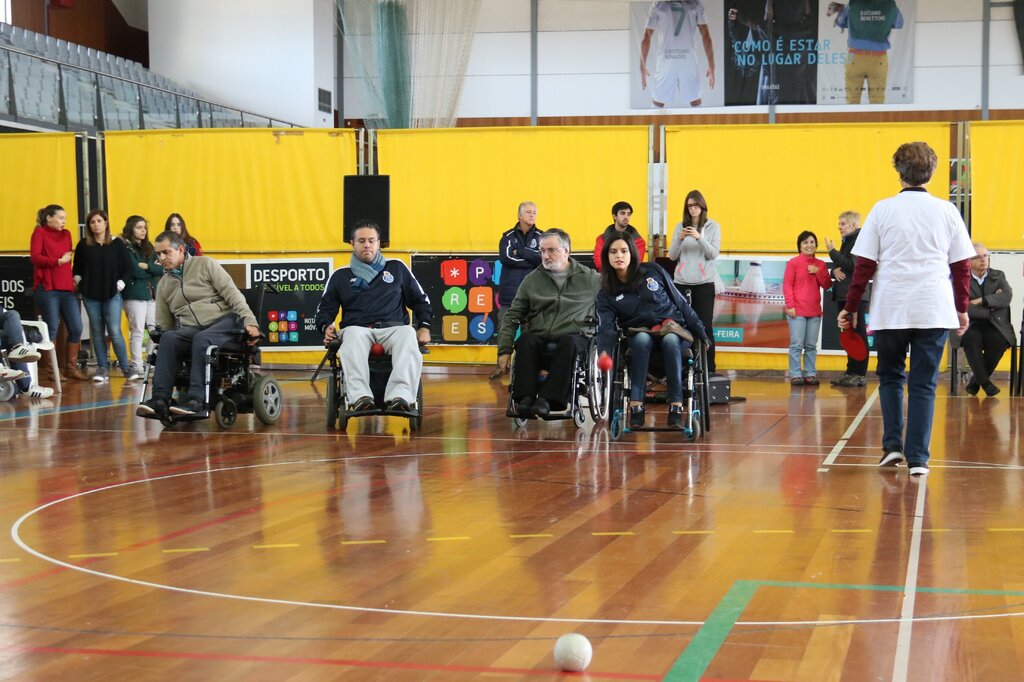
<point x="695" y="659"/>
<point x="709" y="639"/>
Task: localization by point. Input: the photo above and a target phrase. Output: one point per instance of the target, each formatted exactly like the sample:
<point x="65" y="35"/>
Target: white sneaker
<point x="11" y="374"/>
<point x="24" y="352"/>
<point x="131" y="374"/>
<point x="101" y="375"/>
<point x="40" y="392"/>
<point x="921" y="470"/>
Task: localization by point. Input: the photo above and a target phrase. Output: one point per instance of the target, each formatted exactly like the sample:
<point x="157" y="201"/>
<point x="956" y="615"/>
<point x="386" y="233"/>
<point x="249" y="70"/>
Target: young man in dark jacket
<point x="844" y="261"/>
<point x="519" y="255"/>
<point x="373" y="294"/>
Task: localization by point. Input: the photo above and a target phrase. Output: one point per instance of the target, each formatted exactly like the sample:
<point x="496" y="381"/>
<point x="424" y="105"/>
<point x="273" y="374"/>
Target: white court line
<point x="841" y="443"/>
<point x="902" y="662"/>
<point x="16" y="536"/>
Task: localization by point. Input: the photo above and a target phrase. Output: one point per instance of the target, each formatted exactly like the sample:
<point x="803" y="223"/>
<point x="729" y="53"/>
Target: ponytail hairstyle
<point x="46" y="212"/>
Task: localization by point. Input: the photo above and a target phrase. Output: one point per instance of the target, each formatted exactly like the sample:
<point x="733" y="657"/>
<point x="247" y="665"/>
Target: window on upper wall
<point x="5" y="11"/>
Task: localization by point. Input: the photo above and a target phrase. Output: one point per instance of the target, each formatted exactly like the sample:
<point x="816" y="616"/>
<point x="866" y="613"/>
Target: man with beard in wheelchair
<point x="550" y="307"/>
<point x="197" y="306"/>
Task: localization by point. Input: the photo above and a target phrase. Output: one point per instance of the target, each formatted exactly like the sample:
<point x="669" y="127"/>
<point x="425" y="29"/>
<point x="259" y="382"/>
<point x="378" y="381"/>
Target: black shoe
<point x="637" y="417"/>
<point x="675" y="416"/>
<point x="364" y="404"/>
<point x="154" y="407"/>
<point x="541" y="408"/>
<point x="399" y="405"/>
<point x="524" y="407"/>
<point x="972" y="388"/>
<point x="190" y="408"/>
<point x="891" y="459"/>
<point x="990" y="389"/>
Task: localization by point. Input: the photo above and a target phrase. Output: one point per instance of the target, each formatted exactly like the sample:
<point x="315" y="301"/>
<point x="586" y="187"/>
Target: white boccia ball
<point x="573" y="652"/>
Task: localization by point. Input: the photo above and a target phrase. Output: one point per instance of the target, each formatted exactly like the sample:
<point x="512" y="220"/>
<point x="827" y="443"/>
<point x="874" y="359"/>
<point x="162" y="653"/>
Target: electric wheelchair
<point x="338" y="413"/>
<point x="589" y="387"/>
<point x="696" y="392"/>
<point x="232" y="387"/>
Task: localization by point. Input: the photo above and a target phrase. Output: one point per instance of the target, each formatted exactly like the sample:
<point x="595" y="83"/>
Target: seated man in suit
<point x="374" y="294"/>
<point x="989" y="333"/>
<point x="551" y="304"/>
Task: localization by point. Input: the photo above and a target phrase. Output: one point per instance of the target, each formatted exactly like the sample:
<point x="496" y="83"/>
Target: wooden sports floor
<point x="773" y="549"/>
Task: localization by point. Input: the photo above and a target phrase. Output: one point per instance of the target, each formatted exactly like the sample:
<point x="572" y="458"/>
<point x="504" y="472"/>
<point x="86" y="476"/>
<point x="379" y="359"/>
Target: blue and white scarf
<point x="365" y="272"/>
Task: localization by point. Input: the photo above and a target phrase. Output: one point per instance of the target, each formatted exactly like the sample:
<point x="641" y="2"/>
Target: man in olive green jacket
<point x="550" y="307"/>
<point x="197" y="306"/>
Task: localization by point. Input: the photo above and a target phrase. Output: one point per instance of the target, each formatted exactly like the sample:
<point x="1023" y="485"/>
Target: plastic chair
<point x="45" y="346"/>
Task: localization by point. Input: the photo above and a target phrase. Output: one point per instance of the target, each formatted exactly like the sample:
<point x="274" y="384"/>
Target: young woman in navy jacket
<point x="641" y="295"/>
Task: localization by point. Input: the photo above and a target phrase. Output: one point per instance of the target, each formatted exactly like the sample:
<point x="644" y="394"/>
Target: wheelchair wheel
<point x="693" y="432"/>
<point x="266" y="400"/>
<point x="617" y="425"/>
<point x="333" y="407"/>
<point x="579" y="417"/>
<point x="7" y="390"/>
<point x="225" y="412"/>
<point x="599" y="388"/>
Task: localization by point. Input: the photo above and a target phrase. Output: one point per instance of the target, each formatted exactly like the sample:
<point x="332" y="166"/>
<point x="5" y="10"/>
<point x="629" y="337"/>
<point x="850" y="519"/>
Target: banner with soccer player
<point x="696" y="53"/>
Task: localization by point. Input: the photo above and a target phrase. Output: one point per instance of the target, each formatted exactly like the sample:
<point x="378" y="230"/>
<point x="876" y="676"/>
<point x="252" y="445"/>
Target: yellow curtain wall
<point x="38" y="169"/>
<point x="238" y="190"/>
<point x="764" y="184"/>
<point x="997" y="175"/>
<point x="459" y="189"/>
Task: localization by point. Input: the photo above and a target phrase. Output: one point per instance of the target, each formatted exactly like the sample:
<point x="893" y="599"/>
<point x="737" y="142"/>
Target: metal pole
<point x="534" y="14"/>
<point x="986" y="30"/>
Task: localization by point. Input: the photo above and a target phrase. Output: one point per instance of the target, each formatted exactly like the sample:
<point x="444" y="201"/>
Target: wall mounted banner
<point x="16" y="285"/>
<point x="694" y="53"/>
<point x="288" y="311"/>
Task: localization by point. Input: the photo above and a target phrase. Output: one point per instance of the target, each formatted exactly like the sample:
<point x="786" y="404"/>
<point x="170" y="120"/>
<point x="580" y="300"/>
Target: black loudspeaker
<point x="368" y="197"/>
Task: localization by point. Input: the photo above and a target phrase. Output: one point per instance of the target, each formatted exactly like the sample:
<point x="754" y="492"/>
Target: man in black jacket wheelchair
<point x="380" y="353"/>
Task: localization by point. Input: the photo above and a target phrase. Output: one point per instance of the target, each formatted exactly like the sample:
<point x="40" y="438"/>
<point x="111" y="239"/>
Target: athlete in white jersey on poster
<point x="676" y="70"/>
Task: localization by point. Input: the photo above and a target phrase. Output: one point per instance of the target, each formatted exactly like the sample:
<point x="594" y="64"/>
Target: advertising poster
<point x="750" y="310"/>
<point x="696" y="53"/>
<point x="463" y="292"/>
<point x="16" y="285"/>
<point x="284" y="294"/>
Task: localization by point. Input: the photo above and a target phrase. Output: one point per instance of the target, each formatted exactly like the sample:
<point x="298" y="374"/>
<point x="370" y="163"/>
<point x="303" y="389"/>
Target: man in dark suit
<point x="990" y="332"/>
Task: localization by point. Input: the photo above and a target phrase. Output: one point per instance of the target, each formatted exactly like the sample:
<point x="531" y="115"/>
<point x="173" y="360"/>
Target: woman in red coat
<point x="52" y="283"/>
<point x="802" y="283"/>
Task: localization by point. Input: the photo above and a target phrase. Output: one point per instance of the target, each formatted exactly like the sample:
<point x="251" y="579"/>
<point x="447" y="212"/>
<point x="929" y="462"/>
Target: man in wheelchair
<point x="198" y="306"/>
<point x="374" y="295"/>
<point x="549" y="308"/>
<point x="639" y="300"/>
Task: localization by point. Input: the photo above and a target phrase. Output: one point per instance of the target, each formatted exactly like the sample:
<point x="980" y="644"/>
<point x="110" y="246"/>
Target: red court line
<point x="341" y="662"/>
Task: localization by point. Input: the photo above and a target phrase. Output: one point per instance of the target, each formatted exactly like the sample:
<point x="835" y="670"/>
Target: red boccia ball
<point x="604" y="362"/>
<point x="376" y="349"/>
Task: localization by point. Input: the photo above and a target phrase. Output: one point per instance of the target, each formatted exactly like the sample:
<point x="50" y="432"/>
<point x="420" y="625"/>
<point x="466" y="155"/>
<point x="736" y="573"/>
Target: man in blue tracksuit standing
<point x="519" y="254"/>
<point x="374" y="294"/>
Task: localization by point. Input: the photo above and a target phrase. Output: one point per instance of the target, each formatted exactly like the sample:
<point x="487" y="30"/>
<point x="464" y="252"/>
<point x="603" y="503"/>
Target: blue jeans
<point x="54" y="305"/>
<point x="925" y="347"/>
<point x="803" y="338"/>
<point x="640" y="346"/>
<point x="106" y="315"/>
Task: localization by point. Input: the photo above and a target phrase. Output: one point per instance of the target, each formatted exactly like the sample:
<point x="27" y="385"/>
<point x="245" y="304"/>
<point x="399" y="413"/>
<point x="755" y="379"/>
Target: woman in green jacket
<point x="137" y="296"/>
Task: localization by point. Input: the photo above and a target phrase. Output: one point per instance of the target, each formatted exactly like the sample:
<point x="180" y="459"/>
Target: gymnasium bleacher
<point x="51" y="83"/>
